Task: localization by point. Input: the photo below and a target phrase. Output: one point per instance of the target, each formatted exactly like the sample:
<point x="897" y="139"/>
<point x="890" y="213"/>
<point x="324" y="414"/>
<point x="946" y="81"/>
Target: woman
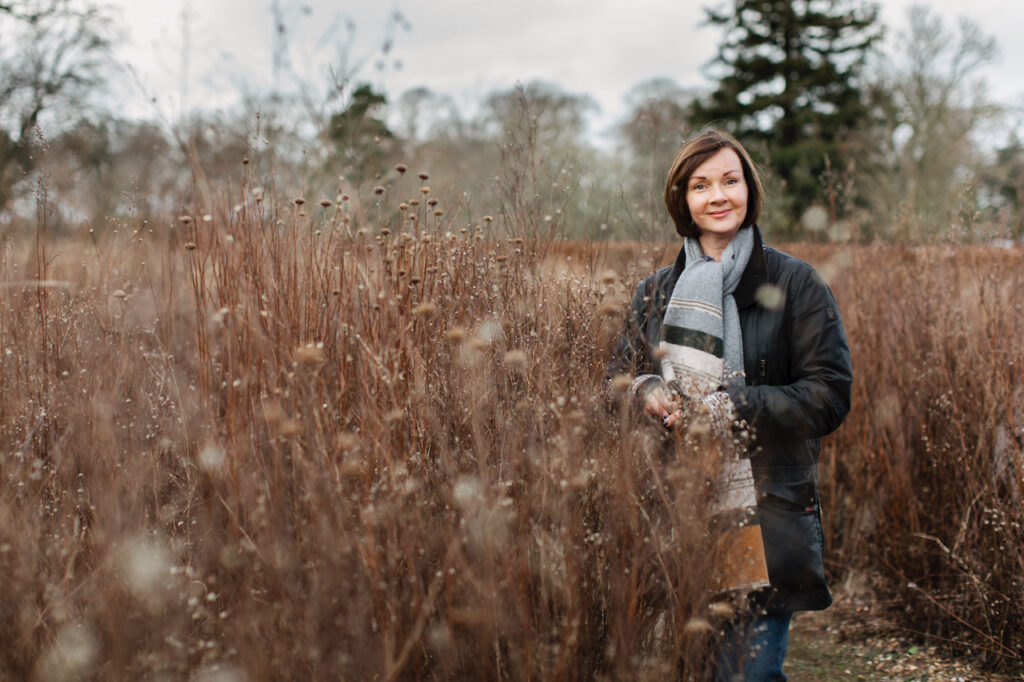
<point x="754" y="336"/>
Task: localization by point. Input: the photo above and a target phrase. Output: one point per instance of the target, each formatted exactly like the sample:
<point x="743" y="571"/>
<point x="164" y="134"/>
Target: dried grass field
<point x="321" y="441"/>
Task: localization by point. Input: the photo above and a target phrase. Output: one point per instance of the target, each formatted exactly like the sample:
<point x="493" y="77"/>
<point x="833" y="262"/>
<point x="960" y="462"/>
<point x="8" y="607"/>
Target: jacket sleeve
<point x="631" y="355"/>
<point x="817" y="398"/>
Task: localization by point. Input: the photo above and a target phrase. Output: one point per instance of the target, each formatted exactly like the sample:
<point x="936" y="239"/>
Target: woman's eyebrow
<point x="702" y="177"/>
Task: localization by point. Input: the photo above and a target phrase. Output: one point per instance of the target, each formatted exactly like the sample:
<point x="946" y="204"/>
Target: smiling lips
<point x="720" y="214"/>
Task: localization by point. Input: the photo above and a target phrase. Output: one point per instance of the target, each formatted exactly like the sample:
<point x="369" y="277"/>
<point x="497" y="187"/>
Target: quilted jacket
<point x="797" y="390"/>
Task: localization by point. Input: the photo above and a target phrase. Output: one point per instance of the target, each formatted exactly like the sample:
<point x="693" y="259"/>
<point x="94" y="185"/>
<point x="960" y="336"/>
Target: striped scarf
<point x="702" y="351"/>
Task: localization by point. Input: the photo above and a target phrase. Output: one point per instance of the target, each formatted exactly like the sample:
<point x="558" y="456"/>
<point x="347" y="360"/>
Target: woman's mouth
<point x="720" y="214"/>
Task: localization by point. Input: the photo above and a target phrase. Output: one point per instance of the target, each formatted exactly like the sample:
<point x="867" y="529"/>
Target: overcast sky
<point x="464" y="48"/>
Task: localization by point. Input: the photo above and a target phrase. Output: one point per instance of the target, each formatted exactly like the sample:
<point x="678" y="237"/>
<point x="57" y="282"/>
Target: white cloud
<point x="466" y="49"/>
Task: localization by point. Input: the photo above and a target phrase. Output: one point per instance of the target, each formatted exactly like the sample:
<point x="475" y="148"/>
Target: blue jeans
<point x="754" y="652"/>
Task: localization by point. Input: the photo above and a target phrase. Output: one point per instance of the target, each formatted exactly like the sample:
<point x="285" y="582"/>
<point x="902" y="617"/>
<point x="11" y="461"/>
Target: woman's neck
<point x="714" y="244"/>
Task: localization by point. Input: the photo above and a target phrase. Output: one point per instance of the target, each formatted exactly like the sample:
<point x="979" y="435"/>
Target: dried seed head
<point x="74" y="653"/>
<point x="579" y="481"/>
<point x="414" y="202"/>
<point x="290" y="428"/>
<point x="145" y="564"/>
<point x="299" y="201"/>
<point x="609" y="277"/>
<point x="455" y="334"/>
<point x="378" y="190"/>
<point x="211" y="457"/>
<point x="385" y="232"/>
<point x="424" y="175"/>
<point x="325" y="202"/>
<point x="721" y="609"/>
<point x="697" y="626"/>
<point x="351" y="468"/>
<point x="424" y="190"/>
<point x="438" y="213"/>
<point x="432" y="201"/>
<point x="403" y="206"/>
<point x="347" y="441"/>
<point x="185" y="219"/>
<point x="515" y="359"/>
<point x="273" y="414"/>
<point x="770" y="296"/>
<point x="190" y="246"/>
<point x="466" y="491"/>
<point x="401" y="168"/>
<point x="609" y="309"/>
<point x="488" y="218"/>
<point x="245" y="160"/>
<point x="120" y="294"/>
<point x="425" y="309"/>
<point x="621" y="382"/>
<point x="698" y="428"/>
<point x="311" y="354"/>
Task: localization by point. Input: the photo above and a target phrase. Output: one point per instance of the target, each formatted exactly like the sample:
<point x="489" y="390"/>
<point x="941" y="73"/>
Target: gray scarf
<point x="703" y="351"/>
<point x="701" y="337"/>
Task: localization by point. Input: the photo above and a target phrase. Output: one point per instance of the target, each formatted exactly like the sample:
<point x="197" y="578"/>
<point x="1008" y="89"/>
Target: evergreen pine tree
<point x="790" y="85"/>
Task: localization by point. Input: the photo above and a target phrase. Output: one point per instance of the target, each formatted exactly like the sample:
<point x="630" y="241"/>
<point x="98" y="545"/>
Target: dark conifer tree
<point x="358" y="132"/>
<point x="789" y="84"/>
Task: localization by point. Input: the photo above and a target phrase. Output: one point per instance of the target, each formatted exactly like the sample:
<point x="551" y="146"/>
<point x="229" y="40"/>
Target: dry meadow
<point x="303" y="439"/>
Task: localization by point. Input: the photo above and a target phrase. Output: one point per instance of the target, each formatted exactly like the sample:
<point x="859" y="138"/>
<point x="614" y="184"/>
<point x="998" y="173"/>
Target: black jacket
<point x="798" y="381"/>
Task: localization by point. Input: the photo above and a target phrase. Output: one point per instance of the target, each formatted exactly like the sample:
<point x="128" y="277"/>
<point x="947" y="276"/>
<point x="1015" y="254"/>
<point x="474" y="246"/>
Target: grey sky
<point x="466" y="49"/>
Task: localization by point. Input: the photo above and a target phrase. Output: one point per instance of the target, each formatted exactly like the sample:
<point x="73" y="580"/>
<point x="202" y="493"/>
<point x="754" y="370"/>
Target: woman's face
<point x="716" y="195"/>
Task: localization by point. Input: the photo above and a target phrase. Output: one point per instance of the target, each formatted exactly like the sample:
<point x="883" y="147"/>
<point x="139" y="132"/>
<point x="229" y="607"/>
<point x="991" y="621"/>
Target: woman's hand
<point x="658" y="403"/>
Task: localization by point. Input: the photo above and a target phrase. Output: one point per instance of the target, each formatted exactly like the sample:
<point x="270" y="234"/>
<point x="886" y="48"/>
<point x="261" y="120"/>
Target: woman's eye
<point x="699" y="186"/>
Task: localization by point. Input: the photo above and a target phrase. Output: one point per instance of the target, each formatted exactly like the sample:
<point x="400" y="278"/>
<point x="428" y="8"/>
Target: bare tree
<point x="931" y="105"/>
<point x="52" y="55"/>
<point x="652" y="132"/>
<point x="425" y="113"/>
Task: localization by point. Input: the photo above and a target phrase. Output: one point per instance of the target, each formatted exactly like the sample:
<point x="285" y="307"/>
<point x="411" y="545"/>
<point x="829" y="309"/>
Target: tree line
<point x="858" y="139"/>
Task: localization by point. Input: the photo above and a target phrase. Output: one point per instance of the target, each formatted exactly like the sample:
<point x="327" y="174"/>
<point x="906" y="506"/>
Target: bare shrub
<point x="924" y="480"/>
<point x="287" y="440"/>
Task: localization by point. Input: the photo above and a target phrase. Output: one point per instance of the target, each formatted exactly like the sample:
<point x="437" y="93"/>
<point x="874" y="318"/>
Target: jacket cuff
<point x="645" y="383"/>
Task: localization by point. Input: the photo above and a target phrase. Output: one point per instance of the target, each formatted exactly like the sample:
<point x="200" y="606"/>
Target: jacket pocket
<point x="788" y="509"/>
<point x="766" y="366"/>
<point x="793" y="489"/>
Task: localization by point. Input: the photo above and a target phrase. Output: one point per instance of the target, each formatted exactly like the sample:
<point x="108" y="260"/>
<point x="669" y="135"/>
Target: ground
<point x="847" y="643"/>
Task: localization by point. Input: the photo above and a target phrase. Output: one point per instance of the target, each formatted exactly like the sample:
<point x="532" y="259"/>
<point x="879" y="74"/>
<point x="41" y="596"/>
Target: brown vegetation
<point x="924" y="479"/>
<point x="287" y="441"/>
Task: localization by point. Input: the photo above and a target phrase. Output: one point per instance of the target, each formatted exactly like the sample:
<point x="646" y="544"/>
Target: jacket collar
<point x="755" y="274"/>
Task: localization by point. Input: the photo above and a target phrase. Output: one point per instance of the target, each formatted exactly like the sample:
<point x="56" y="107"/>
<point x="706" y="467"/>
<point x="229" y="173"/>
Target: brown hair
<point x="691" y="155"/>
